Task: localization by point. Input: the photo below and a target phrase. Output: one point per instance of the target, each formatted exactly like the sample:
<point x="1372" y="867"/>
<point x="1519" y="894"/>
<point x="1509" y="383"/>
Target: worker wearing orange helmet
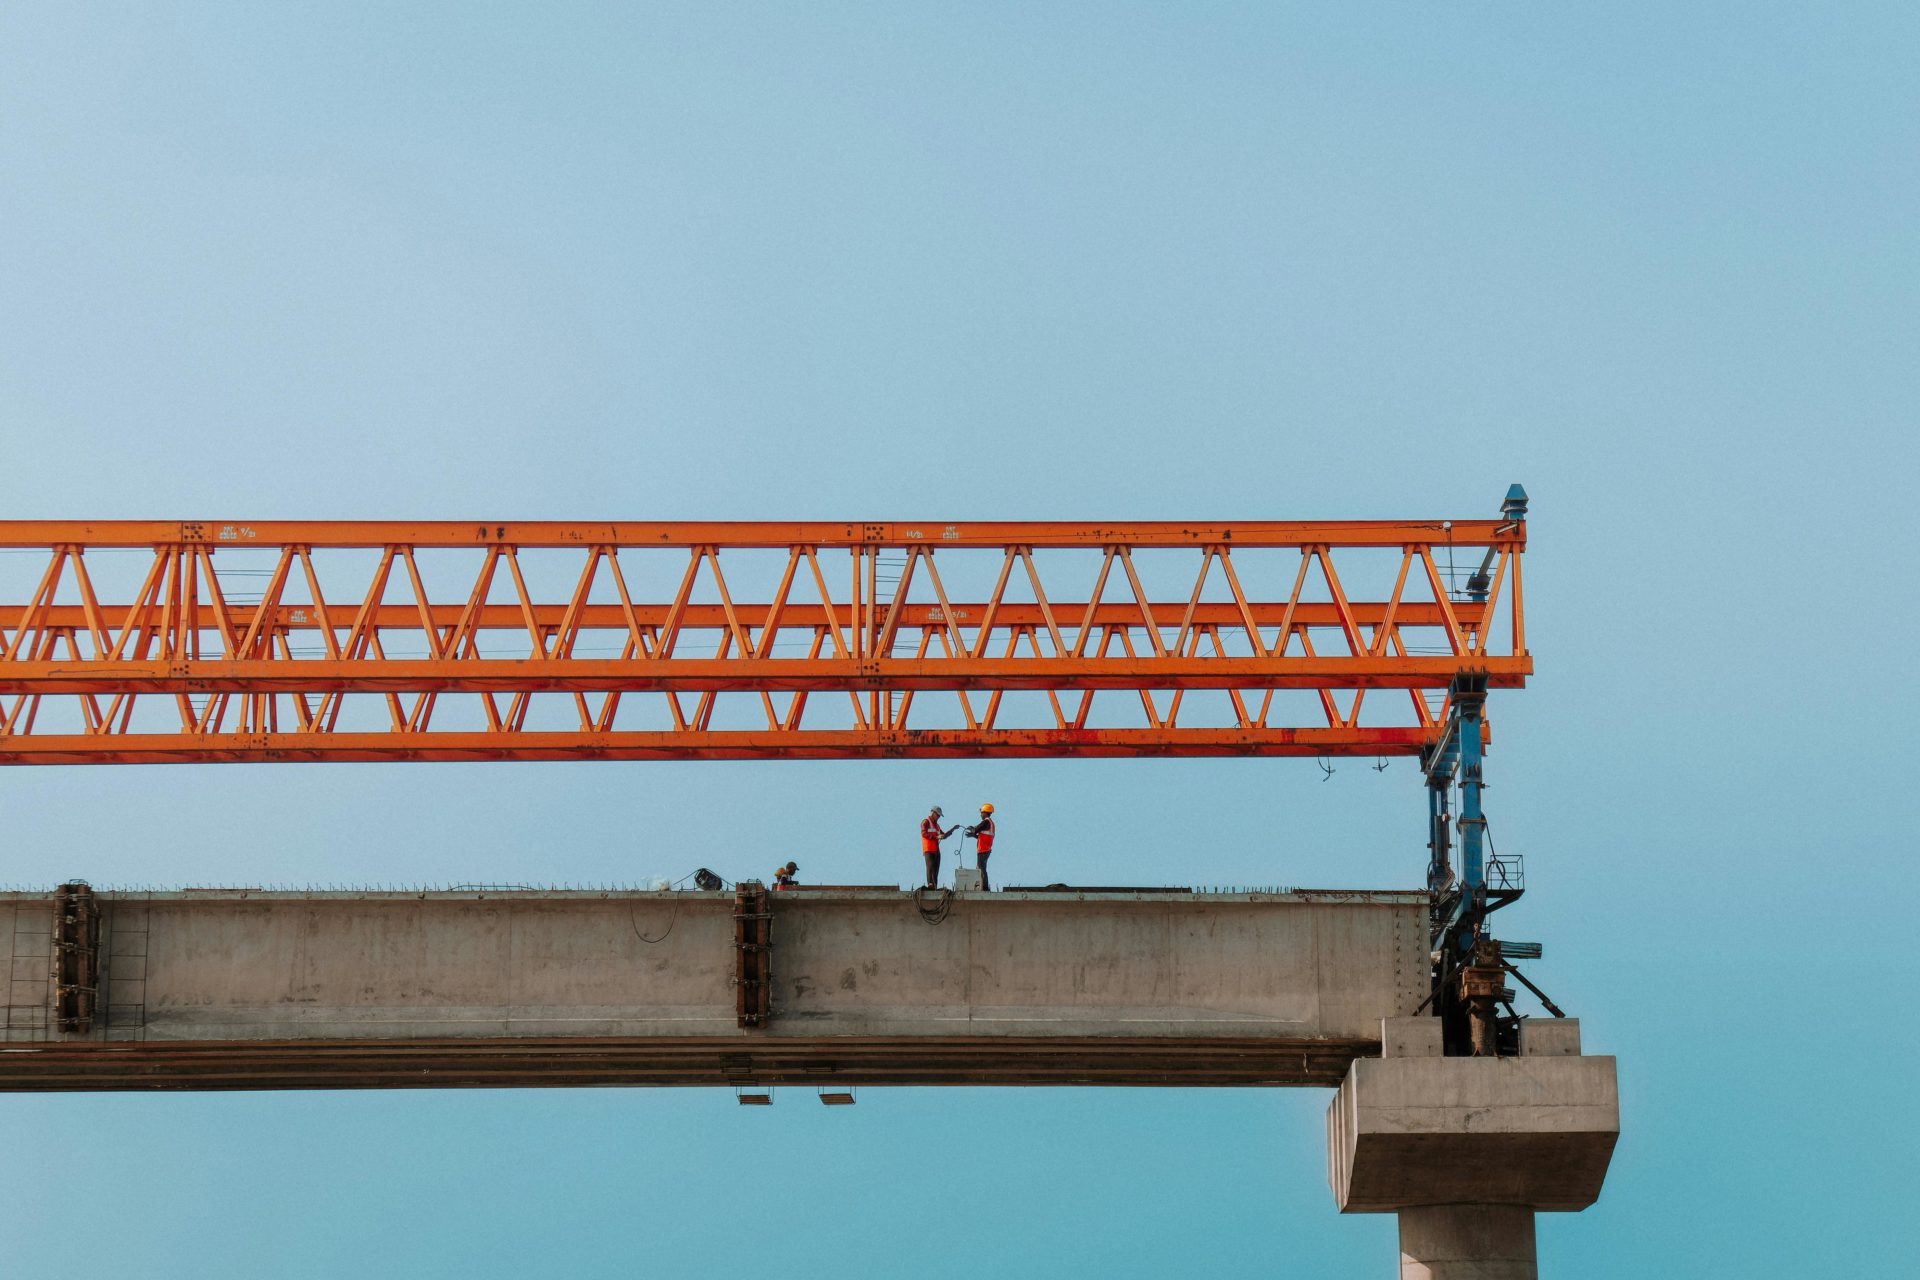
<point x="982" y="833"/>
<point x="930" y="837"/>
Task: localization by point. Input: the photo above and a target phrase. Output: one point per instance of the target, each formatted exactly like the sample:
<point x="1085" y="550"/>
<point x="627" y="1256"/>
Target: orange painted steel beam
<point x="549" y="618"/>
<point x="749" y="675"/>
<point x="669" y="640"/>
<point x="724" y="745"/>
<point x="756" y="533"/>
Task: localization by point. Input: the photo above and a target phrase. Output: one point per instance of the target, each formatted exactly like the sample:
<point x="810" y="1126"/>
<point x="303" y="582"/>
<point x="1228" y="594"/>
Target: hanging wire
<point x="938" y="911"/>
<point x="671" y="921"/>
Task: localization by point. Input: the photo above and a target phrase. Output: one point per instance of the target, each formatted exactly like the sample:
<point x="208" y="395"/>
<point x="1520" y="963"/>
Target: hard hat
<point x="936" y="812"/>
<point x="986" y="808"/>
<point x="793" y="866"/>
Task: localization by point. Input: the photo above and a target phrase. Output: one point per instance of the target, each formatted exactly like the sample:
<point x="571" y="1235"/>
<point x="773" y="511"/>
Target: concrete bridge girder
<point x="513" y="987"/>
<point x="244" y="989"/>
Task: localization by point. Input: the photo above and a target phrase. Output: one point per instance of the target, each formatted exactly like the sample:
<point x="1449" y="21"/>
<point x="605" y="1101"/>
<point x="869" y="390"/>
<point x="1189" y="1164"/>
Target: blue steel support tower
<point x="1469" y="969"/>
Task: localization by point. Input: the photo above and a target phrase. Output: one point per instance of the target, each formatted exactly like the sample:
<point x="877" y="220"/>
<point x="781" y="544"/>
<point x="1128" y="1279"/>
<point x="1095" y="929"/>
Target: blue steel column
<point x="1469" y="698"/>
<point x="1468" y="980"/>
<point x="1469" y="695"/>
<point x="1439" y="769"/>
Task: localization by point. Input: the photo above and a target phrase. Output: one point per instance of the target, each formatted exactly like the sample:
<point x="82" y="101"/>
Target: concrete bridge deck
<point x="245" y="989"/>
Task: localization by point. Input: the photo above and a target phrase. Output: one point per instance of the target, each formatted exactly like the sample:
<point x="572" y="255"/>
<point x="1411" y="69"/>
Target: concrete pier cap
<point x="1466" y="1150"/>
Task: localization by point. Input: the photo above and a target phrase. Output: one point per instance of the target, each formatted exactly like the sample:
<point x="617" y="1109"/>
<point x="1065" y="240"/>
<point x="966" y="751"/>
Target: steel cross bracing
<point x="152" y="641"/>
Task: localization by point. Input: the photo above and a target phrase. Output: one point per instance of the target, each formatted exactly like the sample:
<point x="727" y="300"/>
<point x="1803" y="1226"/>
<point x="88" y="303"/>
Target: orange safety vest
<point x="930" y="834"/>
<point x="983" y="835"/>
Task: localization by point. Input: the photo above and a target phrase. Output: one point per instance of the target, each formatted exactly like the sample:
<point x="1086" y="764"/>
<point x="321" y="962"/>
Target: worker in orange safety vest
<point x="930" y="837"/>
<point x="982" y="833"/>
<point x="783" y="877"/>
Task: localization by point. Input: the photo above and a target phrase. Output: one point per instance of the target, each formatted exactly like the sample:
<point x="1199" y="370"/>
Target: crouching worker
<point x="982" y="833"/>
<point x="783" y="877"/>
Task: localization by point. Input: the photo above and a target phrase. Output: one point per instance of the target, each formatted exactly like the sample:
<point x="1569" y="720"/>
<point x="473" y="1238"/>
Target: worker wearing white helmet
<point x="982" y="833"/>
<point x="930" y="837"/>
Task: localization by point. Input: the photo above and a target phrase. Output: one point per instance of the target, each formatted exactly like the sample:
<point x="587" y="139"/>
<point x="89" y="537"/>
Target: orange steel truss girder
<point x="221" y="641"/>
<point x="753" y="533"/>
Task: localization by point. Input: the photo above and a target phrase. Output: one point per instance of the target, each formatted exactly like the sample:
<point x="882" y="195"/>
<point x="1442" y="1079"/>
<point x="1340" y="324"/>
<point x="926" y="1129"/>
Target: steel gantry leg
<point x="1470" y="701"/>
<point x="1439" y="766"/>
<point x="1468" y="972"/>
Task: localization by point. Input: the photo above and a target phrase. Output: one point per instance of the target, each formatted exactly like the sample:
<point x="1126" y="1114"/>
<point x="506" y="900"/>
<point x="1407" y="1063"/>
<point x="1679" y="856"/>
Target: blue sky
<point x="1655" y="262"/>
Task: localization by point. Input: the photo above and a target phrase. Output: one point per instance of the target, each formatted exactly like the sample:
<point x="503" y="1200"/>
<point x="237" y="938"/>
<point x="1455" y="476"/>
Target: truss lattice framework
<point x="324" y="641"/>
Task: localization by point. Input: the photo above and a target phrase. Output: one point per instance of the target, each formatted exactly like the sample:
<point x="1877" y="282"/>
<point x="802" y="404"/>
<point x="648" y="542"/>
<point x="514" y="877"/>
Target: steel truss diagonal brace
<point x="158" y="641"/>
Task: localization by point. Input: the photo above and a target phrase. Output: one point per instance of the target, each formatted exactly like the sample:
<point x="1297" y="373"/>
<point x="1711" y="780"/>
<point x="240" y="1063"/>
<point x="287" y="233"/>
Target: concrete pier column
<point x="1467" y="1242"/>
<point x="1467" y="1150"/>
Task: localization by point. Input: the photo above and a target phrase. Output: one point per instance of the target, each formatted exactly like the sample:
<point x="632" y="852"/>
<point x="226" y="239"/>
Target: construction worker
<point x="783" y="877"/>
<point x="982" y="833"/>
<point x="930" y="837"/>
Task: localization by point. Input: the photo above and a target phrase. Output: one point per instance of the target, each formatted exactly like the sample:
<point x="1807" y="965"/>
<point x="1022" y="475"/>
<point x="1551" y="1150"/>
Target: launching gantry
<point x="146" y="642"/>
<point x="152" y="642"/>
